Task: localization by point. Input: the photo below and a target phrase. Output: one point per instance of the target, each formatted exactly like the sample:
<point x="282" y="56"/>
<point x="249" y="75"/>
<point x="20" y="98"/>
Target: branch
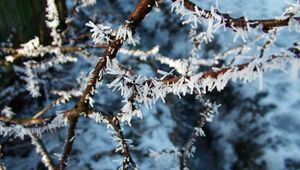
<point x="189" y="148"/>
<point x="114" y="121"/>
<point x="241" y="22"/>
<point x="138" y="14"/>
<point x="26" y="121"/>
<point x="69" y="142"/>
<point x="41" y="149"/>
<point x="19" y="127"/>
<point x="15" y="54"/>
<point x="222" y="71"/>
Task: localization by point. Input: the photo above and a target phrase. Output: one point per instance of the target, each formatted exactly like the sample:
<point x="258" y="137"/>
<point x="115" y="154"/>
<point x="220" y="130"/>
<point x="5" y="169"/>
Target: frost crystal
<point x="98" y="117"/>
<point x="186" y="15"/>
<point x="294" y="24"/>
<point x="292" y="9"/>
<point x="240" y="32"/>
<point x="129" y="112"/>
<point x="8" y="112"/>
<point x="100" y="33"/>
<point x="199" y="131"/>
<point x="125" y="33"/>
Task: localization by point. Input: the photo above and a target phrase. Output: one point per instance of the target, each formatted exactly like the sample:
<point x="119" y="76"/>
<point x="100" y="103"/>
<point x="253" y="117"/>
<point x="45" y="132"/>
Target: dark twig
<point x="115" y="124"/>
<point x="138" y="14"/>
<point x="69" y="141"/>
<point x="114" y="121"/>
<point x="267" y="44"/>
<point x="215" y="74"/>
<point x="241" y="22"/>
<point x="187" y="150"/>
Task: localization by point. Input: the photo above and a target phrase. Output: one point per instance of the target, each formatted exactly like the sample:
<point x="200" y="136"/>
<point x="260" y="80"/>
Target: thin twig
<point x="241" y="22"/>
<point x="114" y="121"/>
<point x="187" y="150"/>
<point x="215" y="74"/>
<point x="41" y="149"/>
<point x="13" y="52"/>
<point x="69" y="141"/>
<point x="26" y="121"/>
<point x="267" y="44"/>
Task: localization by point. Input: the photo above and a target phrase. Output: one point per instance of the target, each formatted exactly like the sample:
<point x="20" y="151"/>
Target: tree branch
<point x="187" y="151"/>
<point x="41" y="149"/>
<point x="215" y="74"/>
<point x="138" y="14"/>
<point x="114" y="121"/>
<point x="26" y="121"/>
<point x="241" y="22"/>
<point x="69" y="141"/>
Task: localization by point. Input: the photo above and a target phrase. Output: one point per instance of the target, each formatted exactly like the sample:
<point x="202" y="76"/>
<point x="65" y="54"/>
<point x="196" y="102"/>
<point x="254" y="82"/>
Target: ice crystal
<point x="100" y="33"/>
<point x="124" y="33"/>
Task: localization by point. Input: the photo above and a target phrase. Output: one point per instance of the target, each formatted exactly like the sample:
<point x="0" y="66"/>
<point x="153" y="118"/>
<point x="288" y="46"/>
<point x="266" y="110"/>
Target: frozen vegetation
<point x="178" y="84"/>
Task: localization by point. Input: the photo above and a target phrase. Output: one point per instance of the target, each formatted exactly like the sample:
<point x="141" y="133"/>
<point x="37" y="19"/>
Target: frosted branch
<point x="53" y="22"/>
<point x="41" y="149"/>
<point x="241" y="22"/>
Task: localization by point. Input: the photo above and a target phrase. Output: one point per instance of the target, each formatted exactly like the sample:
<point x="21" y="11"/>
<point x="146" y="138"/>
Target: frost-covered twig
<point x="138" y="90"/>
<point x="20" y="127"/>
<point x="241" y="22"/>
<point x="41" y="149"/>
<point x="73" y="118"/>
<point x="33" y="48"/>
<point x="53" y="22"/>
<point x="123" y="145"/>
<point x="138" y="14"/>
<point x="117" y="135"/>
<point x="246" y="72"/>
<point x="65" y="96"/>
<point x="270" y="41"/>
<point x="13" y="54"/>
<point x="207" y="115"/>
